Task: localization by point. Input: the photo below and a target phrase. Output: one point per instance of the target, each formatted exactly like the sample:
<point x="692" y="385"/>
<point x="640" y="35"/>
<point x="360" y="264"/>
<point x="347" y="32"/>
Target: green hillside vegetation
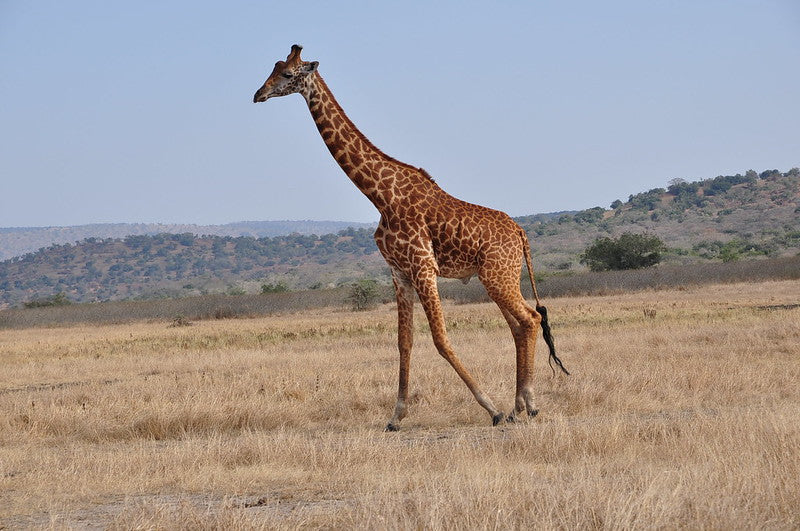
<point x="16" y="241"/>
<point x="726" y="218"/>
<point x="169" y="265"/>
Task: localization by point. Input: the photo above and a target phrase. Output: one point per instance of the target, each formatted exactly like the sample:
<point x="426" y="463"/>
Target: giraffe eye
<point x="287" y="75"/>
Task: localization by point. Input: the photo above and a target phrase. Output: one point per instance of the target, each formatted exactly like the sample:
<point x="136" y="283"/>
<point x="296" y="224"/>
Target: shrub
<point x="59" y="299"/>
<point x="730" y="252"/>
<point x="235" y="290"/>
<point x="363" y="294"/>
<point x="629" y="251"/>
<point x="590" y="215"/>
<point x="734" y="249"/>
<point x="646" y="200"/>
<point x="278" y="287"/>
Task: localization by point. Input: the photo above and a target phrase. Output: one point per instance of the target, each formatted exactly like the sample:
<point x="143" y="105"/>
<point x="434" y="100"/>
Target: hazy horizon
<point x="238" y="222"/>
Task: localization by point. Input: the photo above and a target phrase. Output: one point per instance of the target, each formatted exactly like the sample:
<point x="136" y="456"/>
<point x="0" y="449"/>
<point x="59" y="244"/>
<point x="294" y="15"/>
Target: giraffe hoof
<point x="533" y="412"/>
<point x="391" y="427"/>
<point x="497" y="419"/>
<point x="511" y="418"/>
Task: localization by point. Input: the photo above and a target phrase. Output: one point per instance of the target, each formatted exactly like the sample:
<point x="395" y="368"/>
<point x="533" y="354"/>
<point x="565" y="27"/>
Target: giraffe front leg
<point x="405" y="339"/>
<point x="425" y="284"/>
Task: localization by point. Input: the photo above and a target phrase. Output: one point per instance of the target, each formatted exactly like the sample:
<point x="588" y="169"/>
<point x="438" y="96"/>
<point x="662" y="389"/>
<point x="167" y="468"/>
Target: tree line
<point x="103" y="268"/>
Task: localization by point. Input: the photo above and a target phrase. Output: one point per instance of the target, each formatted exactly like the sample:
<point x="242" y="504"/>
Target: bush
<point x="590" y="215"/>
<point x="278" y="287"/>
<point x="629" y="251"/>
<point x="59" y="299"/>
<point x="735" y="249"/>
<point x="646" y="200"/>
<point x="235" y="290"/>
<point x="363" y="294"/>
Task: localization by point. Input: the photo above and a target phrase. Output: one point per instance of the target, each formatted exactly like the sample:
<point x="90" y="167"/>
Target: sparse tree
<point x="59" y="299"/>
<point x="590" y="215"/>
<point x="235" y="290"/>
<point x="363" y="294"/>
<point x="278" y="287"/>
<point x="629" y="251"/>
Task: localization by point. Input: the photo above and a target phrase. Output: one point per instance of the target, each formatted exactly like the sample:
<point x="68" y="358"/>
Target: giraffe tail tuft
<point x="548" y="338"/>
<point x="546" y="332"/>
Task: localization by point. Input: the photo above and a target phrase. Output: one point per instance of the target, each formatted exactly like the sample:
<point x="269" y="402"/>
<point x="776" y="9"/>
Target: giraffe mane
<point x="425" y="173"/>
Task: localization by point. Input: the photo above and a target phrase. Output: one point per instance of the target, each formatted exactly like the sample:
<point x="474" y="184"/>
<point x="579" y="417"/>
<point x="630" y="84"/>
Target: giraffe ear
<point x="311" y="67"/>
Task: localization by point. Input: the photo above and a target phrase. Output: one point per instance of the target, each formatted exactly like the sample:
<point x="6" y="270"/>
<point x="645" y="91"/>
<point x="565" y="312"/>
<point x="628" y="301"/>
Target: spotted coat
<point x="424" y="233"/>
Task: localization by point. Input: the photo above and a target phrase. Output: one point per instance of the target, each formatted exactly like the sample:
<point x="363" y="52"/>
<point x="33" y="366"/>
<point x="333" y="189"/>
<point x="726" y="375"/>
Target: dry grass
<point x="266" y="305"/>
<point x="683" y="411"/>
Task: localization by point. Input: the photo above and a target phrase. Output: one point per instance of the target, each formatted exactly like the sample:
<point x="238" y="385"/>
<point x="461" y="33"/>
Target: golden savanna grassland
<point x="683" y="410"/>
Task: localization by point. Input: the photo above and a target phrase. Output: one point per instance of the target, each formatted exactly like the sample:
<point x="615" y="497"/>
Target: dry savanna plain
<point x="682" y="411"/>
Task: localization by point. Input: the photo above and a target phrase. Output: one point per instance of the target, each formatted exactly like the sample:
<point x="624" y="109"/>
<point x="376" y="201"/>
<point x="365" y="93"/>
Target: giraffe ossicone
<point x="425" y="233"/>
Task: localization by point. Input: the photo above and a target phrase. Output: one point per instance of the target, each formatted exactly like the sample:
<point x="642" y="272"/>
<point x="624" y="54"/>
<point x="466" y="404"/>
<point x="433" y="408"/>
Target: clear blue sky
<point x="142" y="111"/>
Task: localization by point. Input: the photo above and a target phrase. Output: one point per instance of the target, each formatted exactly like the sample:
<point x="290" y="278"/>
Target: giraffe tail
<point x="547" y="334"/>
<point x="548" y="338"/>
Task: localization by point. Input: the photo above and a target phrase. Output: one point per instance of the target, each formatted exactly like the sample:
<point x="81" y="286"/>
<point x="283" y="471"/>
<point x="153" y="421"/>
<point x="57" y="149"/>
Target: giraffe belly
<point x="462" y="271"/>
<point x="455" y="257"/>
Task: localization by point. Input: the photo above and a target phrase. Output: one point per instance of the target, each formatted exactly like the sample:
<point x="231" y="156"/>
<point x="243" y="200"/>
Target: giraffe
<point x="425" y="233"/>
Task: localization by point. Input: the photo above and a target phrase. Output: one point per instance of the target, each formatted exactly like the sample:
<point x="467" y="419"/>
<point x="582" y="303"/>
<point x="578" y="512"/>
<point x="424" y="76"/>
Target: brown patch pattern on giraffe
<point x="424" y="233"/>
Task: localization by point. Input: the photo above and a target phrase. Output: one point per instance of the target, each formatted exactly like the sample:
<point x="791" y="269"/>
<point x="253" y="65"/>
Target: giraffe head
<point x="287" y="77"/>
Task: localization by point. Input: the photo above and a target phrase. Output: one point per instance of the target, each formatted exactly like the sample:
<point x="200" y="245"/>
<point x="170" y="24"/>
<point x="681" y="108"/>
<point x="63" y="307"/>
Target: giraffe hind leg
<point x="524" y="341"/>
<point x="521" y="352"/>
<point x="523" y="320"/>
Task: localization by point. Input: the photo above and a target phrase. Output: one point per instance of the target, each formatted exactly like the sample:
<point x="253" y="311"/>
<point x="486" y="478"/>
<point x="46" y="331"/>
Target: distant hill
<point x="729" y="216"/>
<point x="16" y="241"/>
<point x="168" y="265"/>
<point x="724" y="218"/>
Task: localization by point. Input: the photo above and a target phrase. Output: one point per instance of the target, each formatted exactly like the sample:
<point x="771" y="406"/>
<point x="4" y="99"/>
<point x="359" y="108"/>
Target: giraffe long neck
<point x="371" y="170"/>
